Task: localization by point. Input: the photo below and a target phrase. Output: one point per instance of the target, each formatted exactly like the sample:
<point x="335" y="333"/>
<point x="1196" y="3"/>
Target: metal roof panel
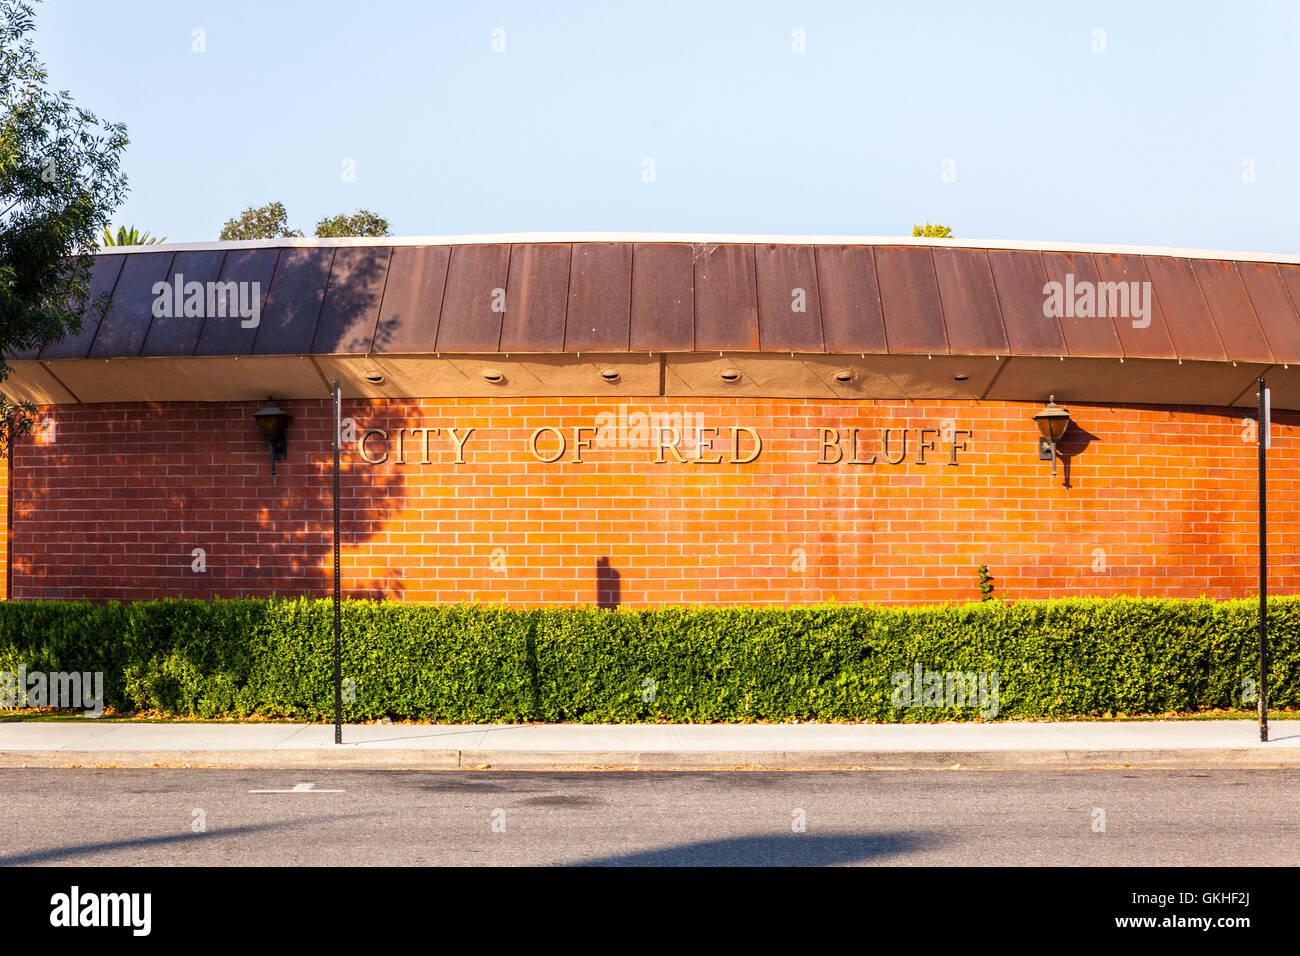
<point x="252" y="270"/>
<point x="1021" y="280"/>
<point x="104" y="272"/>
<point x="408" y="316"/>
<point x="909" y="296"/>
<point x="179" y="334"/>
<point x="726" y="298"/>
<point x="350" y="312"/>
<point x="1190" y="325"/>
<point x="537" y="297"/>
<point x="123" y="330"/>
<point x="475" y="299"/>
<point x="1142" y="337"/>
<point x="789" y="307"/>
<point x="1230" y="308"/>
<point x="1086" y="335"/>
<point x="1273" y="306"/>
<point x="972" y="317"/>
<point x="600" y="298"/>
<point x="293" y="304"/>
<point x="852" y="318"/>
<point x="663" y="297"/>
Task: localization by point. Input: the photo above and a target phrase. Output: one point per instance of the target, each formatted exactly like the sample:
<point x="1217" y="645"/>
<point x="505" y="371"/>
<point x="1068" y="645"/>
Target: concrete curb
<point x="429" y="759"/>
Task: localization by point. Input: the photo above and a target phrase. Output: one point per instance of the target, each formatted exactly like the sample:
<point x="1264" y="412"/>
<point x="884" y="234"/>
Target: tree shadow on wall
<point x="178" y="499"/>
<point x="148" y="521"/>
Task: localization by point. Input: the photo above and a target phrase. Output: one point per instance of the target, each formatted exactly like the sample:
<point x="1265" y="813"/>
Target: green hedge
<point x="474" y="663"/>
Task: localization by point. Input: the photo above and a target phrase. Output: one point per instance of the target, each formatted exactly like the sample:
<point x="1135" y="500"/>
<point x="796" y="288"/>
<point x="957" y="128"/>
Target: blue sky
<point x="1144" y="143"/>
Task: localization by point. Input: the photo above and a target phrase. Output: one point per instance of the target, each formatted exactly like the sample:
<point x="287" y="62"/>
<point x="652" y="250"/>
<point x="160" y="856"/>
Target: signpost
<point x="1264" y="442"/>
<point x="338" y="639"/>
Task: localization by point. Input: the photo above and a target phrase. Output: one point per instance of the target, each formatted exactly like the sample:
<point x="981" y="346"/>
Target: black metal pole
<point x="338" y="636"/>
<point x="1264" y="426"/>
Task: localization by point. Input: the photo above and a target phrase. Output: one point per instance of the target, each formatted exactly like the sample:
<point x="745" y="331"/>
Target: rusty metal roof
<point x="549" y="295"/>
<point x="889" y="297"/>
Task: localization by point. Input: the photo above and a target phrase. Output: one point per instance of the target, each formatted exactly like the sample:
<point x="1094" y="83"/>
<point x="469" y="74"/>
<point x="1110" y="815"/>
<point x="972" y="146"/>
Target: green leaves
<point x="489" y="664"/>
<point x="272" y="222"/>
<point x="129" y="237"/>
<point x="60" y="180"/>
<point x="362" y="223"/>
<point x="259" y="222"/>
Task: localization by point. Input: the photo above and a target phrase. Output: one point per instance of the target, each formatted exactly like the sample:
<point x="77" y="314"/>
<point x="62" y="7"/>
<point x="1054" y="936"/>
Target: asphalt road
<point x="1156" y="817"/>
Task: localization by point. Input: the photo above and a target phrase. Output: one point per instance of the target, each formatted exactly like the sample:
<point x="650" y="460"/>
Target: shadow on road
<point x="51" y="854"/>
<point x="794" y="849"/>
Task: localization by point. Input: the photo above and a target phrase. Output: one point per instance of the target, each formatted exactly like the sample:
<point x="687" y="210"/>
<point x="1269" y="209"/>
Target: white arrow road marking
<point x="300" y="788"/>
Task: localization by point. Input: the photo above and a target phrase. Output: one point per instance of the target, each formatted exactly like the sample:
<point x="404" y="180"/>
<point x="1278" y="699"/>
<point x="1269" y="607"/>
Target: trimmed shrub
<point x="480" y="664"/>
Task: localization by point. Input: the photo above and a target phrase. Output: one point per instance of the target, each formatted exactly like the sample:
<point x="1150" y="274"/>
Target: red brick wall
<point x="4" y="527"/>
<point x="1161" y="502"/>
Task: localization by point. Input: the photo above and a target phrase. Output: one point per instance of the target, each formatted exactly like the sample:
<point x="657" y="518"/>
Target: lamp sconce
<point x="273" y="423"/>
<point x="1052" y="422"/>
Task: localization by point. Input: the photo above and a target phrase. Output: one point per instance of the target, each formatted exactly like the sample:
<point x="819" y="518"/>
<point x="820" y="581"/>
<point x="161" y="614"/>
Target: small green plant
<point x="986" y="583"/>
<point x="129" y="236"/>
<point x="933" y="231"/>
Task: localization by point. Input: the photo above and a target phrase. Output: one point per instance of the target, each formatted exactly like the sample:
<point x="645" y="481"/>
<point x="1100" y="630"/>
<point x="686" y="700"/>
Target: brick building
<point x="660" y="420"/>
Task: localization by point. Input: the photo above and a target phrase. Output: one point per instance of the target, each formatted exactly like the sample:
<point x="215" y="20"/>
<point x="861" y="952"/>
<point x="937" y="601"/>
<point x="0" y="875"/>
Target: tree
<point x="271" y="222"/>
<point x="60" y="180"/>
<point x="129" y="237"/>
<point x="364" y="223"/>
<point x="934" y="231"/>
<point x="259" y="222"/>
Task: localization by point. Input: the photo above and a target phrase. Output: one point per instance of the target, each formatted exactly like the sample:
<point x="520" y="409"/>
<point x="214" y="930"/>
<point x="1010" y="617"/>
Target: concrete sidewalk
<point x="1188" y="744"/>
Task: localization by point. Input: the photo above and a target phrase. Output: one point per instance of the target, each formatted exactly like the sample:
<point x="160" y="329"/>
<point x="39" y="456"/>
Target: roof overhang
<point x="810" y="317"/>
<point x="678" y="375"/>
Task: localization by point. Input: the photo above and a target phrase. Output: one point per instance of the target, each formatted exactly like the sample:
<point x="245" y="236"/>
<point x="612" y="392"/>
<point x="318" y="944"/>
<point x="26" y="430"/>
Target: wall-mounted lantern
<point x="1052" y="423"/>
<point x="273" y="423"/>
